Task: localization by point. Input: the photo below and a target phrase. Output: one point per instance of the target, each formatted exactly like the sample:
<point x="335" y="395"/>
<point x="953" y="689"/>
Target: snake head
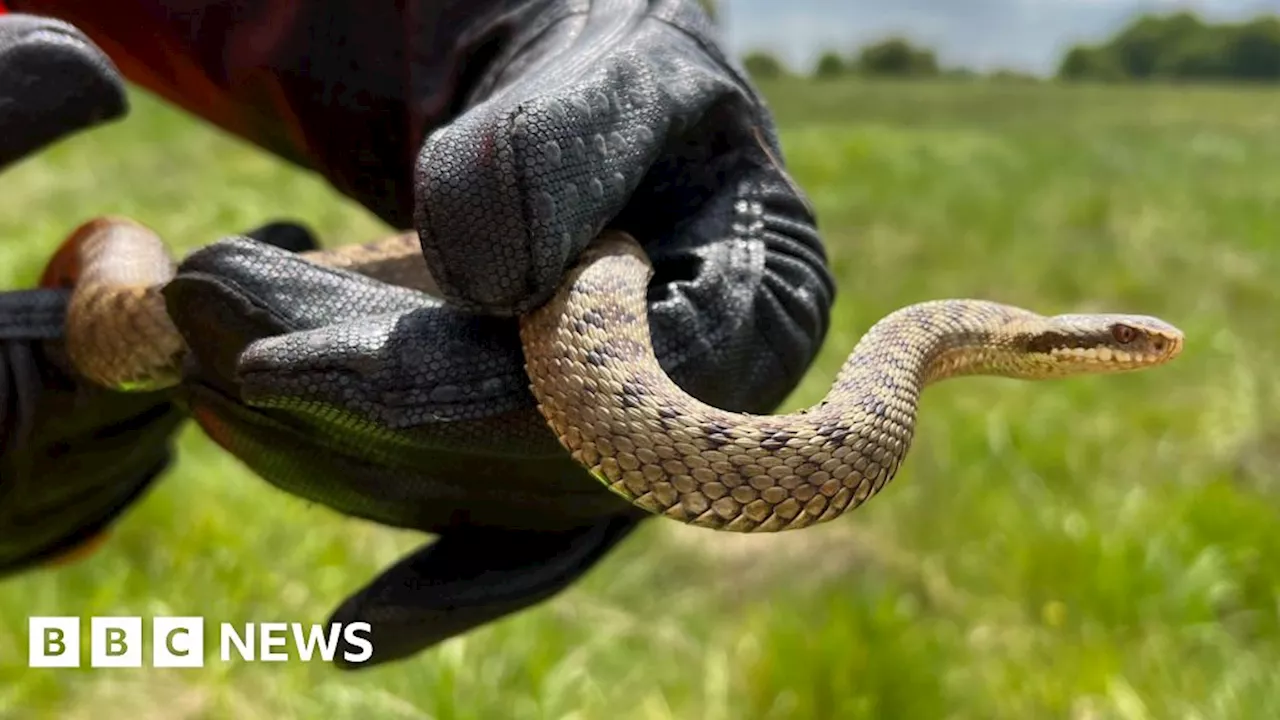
<point x="1102" y="343"/>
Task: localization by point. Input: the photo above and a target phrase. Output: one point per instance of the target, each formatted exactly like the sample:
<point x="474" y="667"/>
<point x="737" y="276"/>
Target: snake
<point x="599" y="386"/>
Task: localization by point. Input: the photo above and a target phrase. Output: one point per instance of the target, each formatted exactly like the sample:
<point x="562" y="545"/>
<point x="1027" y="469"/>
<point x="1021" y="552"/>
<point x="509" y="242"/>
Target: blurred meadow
<point x="1090" y="548"/>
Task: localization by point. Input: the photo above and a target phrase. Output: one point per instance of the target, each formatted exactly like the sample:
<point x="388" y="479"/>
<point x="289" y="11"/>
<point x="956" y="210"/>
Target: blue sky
<point x="1023" y="34"/>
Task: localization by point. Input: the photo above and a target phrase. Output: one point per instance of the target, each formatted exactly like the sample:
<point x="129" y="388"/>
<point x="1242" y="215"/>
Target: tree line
<point x="894" y="56"/>
<point x="1179" y="46"/>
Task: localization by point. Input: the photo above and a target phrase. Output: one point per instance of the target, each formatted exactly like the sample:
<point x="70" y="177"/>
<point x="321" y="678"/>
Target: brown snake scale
<point x="598" y="384"/>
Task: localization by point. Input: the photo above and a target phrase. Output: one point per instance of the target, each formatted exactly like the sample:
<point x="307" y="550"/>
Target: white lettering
<point x="244" y="645"/>
<point x="352" y="635"/>
<point x="316" y="636"/>
<point x="272" y="635"/>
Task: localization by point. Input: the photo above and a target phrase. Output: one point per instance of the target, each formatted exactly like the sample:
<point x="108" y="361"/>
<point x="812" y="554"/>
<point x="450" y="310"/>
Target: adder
<point x="599" y="385"/>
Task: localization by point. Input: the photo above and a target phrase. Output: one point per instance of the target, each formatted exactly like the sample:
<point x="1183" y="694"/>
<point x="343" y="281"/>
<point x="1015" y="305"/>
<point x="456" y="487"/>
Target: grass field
<point x="1094" y="548"/>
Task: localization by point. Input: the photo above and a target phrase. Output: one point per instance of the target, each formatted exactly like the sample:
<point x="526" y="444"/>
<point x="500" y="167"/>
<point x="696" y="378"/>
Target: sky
<point x="1028" y="35"/>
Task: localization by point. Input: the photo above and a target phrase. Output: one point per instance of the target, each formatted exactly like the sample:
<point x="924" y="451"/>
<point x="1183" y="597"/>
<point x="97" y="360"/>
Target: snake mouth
<point x="1106" y="356"/>
<point x="1099" y="355"/>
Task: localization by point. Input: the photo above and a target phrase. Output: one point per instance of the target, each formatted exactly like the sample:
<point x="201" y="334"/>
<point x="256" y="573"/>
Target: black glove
<point x="620" y="113"/>
<point x="54" y="82"/>
<point x="73" y="457"/>
<point x="433" y="429"/>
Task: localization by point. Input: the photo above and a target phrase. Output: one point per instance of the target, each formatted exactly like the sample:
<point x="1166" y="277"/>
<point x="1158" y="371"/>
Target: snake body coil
<point x="599" y="386"/>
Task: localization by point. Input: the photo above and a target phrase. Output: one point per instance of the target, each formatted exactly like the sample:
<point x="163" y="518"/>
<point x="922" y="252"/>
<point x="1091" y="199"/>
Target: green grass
<point x="1092" y="548"/>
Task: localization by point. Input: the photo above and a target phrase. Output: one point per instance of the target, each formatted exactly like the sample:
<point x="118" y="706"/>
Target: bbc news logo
<point x="178" y="642"/>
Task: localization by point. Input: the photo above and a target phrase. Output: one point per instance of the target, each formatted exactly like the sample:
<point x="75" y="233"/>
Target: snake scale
<point x="598" y="384"/>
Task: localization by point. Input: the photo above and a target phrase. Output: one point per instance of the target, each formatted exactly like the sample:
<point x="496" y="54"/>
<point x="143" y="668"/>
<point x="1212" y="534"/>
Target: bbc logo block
<point x="115" y="642"/>
<point x="179" y="642"/>
<point x="53" y="642"/>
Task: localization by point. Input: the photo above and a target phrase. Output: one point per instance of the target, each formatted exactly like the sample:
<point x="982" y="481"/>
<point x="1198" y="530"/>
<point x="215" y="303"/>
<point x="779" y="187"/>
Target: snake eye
<point x="1123" y="334"/>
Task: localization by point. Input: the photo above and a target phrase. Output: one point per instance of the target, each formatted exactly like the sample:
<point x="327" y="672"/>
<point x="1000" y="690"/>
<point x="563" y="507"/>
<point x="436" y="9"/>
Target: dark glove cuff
<point x="26" y="316"/>
<point x="32" y="314"/>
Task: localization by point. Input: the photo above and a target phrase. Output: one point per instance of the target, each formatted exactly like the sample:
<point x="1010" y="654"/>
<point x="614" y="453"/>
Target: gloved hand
<point x="558" y="117"/>
<point x="595" y="112"/>
<point x="386" y="404"/>
<point x="71" y="457"/>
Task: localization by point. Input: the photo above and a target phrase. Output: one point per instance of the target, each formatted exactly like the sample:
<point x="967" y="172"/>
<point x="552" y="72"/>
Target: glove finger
<point x="294" y="335"/>
<point x="511" y="191"/>
<point x="397" y="370"/>
<point x="235" y="291"/>
<point x="469" y="578"/>
<point x="53" y="82"/>
<point x="297" y="294"/>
